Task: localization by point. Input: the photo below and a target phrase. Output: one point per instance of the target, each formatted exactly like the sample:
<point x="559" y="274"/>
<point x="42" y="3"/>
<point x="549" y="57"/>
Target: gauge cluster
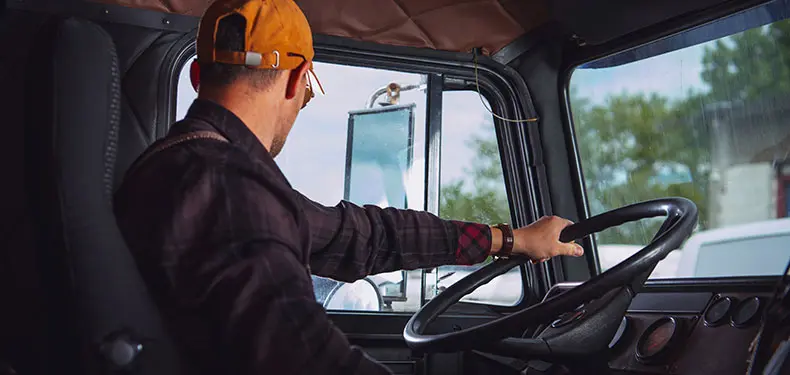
<point x="685" y="330"/>
<point x="728" y="310"/>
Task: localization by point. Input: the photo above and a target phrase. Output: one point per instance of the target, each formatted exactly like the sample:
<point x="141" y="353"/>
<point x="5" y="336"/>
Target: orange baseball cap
<point x="277" y="35"/>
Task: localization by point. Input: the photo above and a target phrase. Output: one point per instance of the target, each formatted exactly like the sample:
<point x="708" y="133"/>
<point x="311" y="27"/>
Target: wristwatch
<point x="507" y="240"/>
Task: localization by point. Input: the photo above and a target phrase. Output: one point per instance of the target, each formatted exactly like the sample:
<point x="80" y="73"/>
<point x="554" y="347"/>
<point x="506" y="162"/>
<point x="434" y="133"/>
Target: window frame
<point x="579" y="54"/>
<point x="507" y="95"/>
<point x="783" y="184"/>
<point x="443" y="76"/>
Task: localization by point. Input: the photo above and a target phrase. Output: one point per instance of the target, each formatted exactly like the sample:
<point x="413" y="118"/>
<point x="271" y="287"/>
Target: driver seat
<point x="100" y="318"/>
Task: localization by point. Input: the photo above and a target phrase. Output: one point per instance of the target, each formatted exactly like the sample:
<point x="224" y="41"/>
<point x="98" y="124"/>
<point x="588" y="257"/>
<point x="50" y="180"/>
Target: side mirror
<point x="379" y="155"/>
<point x="361" y="295"/>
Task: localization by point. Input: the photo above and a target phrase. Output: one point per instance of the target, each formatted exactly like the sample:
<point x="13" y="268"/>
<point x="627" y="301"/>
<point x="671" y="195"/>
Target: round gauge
<point x="746" y="312"/>
<point x="657" y="339"/>
<point x="717" y="312"/>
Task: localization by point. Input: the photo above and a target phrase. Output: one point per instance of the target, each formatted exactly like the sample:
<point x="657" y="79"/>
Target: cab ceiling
<point x="460" y="25"/>
<point x="450" y="25"/>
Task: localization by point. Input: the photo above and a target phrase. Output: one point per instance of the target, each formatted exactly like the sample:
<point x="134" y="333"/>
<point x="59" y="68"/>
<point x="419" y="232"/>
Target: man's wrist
<point x="496" y="240"/>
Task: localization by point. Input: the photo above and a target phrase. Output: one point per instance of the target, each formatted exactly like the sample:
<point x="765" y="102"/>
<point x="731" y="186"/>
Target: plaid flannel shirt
<point x="226" y="247"/>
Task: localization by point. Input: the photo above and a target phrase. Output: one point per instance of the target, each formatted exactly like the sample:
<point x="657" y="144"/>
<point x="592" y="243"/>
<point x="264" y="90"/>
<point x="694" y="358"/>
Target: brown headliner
<point x="450" y="25"/>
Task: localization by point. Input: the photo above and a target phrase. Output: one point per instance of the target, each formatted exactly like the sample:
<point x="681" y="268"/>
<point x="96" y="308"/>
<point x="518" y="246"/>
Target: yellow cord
<point x="485" y="104"/>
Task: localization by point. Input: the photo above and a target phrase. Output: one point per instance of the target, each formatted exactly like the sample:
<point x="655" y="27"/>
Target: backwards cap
<point x="277" y="35"/>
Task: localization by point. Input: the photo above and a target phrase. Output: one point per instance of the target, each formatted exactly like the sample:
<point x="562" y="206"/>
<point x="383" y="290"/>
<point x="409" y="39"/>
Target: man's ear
<point x="194" y="75"/>
<point x="296" y="79"/>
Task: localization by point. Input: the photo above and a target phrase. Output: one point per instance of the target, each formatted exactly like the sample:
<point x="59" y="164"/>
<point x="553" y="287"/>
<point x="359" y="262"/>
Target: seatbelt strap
<point x="176" y="140"/>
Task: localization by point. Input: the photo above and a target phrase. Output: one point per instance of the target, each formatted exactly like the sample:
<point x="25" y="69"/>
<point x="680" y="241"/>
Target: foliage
<point x="636" y="148"/>
<point x="750" y="64"/>
<point x="485" y="201"/>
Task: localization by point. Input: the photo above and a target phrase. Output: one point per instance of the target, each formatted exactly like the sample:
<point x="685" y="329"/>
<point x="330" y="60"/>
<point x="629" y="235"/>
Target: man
<point x="226" y="246"/>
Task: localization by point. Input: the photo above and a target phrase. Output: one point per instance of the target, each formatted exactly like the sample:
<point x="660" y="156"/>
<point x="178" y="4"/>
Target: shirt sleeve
<point x="350" y="242"/>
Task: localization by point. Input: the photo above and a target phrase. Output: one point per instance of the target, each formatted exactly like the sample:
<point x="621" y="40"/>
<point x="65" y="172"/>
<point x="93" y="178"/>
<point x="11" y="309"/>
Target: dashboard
<point x="691" y="327"/>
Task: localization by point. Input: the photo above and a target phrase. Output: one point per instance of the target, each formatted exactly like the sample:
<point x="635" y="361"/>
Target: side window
<point x="365" y="142"/>
<point x="708" y="122"/>
<point x="472" y="188"/>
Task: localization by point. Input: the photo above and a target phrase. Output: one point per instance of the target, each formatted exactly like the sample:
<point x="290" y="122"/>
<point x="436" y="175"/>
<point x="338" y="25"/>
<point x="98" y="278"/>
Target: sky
<point x="671" y="74"/>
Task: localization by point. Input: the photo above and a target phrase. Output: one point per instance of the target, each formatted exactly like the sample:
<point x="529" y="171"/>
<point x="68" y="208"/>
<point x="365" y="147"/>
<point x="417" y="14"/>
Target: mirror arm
<point x="383" y="90"/>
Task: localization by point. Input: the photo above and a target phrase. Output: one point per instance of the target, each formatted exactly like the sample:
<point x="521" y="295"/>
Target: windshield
<point x="709" y="122"/>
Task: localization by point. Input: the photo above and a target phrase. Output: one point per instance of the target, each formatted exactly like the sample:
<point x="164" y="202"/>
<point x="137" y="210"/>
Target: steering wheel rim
<point x="681" y="218"/>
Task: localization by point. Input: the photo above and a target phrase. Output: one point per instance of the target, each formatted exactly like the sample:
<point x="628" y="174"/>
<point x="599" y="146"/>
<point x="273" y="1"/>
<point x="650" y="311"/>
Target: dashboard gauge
<point x="620" y="332"/>
<point x="657" y="340"/>
<point x="718" y="312"/>
<point x="746" y="312"/>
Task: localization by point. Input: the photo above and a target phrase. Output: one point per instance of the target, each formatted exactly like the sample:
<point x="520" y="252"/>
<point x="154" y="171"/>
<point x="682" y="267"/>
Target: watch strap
<point x="507" y="240"/>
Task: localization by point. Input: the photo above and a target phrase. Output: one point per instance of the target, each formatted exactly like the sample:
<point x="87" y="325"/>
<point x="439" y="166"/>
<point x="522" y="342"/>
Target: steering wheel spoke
<point x="605" y="297"/>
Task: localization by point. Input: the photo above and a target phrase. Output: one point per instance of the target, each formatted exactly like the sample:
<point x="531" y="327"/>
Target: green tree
<point x="749" y="65"/>
<point x="480" y="197"/>
<point x="635" y="148"/>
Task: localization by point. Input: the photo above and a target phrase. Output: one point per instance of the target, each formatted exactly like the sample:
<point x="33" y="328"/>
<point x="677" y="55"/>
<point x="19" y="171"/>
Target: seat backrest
<point x="101" y="318"/>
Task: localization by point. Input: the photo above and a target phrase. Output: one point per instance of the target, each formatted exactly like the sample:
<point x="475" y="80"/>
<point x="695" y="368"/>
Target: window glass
<point x="709" y="122"/>
<point x="472" y="189"/>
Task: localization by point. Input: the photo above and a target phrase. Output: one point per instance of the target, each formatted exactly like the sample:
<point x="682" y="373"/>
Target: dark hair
<point x="230" y="37"/>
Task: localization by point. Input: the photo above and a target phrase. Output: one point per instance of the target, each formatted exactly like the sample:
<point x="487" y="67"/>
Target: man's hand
<point x="540" y="240"/>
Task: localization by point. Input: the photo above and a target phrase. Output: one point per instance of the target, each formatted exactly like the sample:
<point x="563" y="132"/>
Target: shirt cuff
<point x="474" y="243"/>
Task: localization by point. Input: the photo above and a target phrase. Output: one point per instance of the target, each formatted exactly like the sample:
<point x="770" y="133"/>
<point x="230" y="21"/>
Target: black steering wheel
<point x="589" y="314"/>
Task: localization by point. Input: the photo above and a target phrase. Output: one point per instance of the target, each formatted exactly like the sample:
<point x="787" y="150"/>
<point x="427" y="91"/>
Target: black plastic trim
<point x="754" y="284"/>
<point x="176" y="58"/>
<point x="669" y="302"/>
<point x="514" y="49"/>
<point x="674" y="26"/>
<point x="433" y="146"/>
